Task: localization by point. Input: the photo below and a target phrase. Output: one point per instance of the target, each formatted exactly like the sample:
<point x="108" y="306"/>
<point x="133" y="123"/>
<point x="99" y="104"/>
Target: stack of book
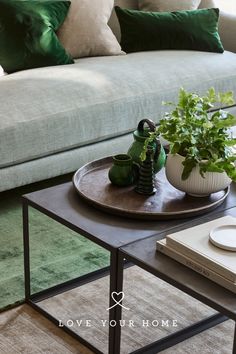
<point x="193" y="248"/>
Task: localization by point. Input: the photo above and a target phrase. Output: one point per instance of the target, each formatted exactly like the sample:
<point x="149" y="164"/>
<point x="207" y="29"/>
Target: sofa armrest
<point x="227" y="24"/>
<point x="227" y="30"/>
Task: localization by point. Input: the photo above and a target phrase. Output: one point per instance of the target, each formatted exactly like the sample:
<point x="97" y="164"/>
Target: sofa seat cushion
<point x="49" y="110"/>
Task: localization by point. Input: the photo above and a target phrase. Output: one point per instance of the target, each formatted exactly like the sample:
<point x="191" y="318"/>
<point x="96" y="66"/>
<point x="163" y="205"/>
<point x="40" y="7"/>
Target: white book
<point x="194" y="243"/>
<point x="206" y="272"/>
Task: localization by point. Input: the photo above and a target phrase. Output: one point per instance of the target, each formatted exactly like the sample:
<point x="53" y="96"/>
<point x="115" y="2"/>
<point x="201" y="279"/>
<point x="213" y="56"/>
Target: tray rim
<point x="135" y="214"/>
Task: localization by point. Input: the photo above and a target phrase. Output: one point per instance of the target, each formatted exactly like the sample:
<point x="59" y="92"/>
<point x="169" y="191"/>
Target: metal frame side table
<point x="143" y="254"/>
<point x="63" y="204"/>
<point x="33" y="299"/>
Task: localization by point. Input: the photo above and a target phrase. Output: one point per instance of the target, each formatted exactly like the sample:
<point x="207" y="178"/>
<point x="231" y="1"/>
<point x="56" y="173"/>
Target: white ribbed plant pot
<point x="195" y="184"/>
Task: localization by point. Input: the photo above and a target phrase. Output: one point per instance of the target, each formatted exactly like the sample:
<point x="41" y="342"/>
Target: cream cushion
<point x="85" y="31"/>
<point x="168" y="5"/>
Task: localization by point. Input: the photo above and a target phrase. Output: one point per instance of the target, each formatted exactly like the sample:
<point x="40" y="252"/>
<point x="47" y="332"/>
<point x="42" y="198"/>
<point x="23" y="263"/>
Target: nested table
<point x="143" y="254"/>
<point x="63" y="204"/>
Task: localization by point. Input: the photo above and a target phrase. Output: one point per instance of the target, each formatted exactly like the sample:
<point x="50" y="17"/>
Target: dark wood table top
<point x="62" y="203"/>
<point x="144" y="254"/>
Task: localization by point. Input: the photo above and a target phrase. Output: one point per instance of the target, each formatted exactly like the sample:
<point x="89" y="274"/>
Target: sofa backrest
<point x="133" y="4"/>
<point x="113" y="22"/>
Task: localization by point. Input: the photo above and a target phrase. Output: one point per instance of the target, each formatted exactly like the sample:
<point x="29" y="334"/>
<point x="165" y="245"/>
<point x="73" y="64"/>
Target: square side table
<point x="143" y="254"/>
<point x="63" y="204"/>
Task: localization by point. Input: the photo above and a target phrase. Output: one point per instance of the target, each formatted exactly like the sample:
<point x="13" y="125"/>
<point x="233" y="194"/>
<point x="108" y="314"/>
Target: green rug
<point x="57" y="254"/>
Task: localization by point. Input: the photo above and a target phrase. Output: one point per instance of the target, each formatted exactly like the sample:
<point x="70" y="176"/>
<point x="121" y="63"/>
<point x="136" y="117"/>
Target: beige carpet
<point x="23" y="330"/>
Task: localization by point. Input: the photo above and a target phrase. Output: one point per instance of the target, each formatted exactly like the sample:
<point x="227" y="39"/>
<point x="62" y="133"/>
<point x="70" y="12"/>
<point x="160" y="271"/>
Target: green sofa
<point x="55" y="119"/>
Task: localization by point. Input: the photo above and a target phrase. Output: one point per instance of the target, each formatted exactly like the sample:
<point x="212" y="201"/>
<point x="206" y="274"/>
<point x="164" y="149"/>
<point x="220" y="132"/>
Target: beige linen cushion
<point x="85" y="31"/>
<point x="168" y="5"/>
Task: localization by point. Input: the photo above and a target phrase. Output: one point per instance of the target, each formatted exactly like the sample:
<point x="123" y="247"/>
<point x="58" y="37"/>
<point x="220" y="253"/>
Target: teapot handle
<point x="150" y="124"/>
<point x="152" y="128"/>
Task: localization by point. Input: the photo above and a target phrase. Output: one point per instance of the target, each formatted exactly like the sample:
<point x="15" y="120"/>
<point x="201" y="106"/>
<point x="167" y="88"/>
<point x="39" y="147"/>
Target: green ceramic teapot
<point x="140" y="136"/>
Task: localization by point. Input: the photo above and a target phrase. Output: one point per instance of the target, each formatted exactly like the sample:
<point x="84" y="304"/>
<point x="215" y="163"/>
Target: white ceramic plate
<point x="224" y="237"/>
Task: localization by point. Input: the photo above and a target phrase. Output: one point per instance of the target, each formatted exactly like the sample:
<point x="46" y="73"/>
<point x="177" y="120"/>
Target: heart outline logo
<point x="117" y="302"/>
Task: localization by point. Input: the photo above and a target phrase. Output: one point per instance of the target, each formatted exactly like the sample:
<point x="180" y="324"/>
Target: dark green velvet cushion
<point x="27" y="34"/>
<point x="194" y="30"/>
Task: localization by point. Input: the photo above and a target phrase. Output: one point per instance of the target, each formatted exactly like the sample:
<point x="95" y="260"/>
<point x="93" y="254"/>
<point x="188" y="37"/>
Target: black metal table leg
<point x="120" y="273"/>
<point x="234" y="344"/>
<point x="116" y="285"/>
<point x="113" y="309"/>
<point x="25" y="211"/>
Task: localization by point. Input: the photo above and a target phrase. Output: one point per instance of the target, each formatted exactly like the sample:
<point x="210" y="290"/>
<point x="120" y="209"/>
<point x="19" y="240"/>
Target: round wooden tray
<point x="92" y="183"/>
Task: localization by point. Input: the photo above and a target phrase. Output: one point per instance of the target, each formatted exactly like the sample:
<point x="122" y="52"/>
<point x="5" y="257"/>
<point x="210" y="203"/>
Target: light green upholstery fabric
<point x="61" y="163"/>
<point x="48" y="110"/>
<point x="227" y="30"/>
<point x="64" y="162"/>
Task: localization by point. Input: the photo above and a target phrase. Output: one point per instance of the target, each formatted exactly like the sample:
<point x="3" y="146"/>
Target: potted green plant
<point x="201" y="156"/>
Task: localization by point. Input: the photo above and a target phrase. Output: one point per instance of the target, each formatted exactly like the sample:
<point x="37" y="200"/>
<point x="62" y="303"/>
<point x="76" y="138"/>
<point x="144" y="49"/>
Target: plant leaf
<point x="189" y="164"/>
